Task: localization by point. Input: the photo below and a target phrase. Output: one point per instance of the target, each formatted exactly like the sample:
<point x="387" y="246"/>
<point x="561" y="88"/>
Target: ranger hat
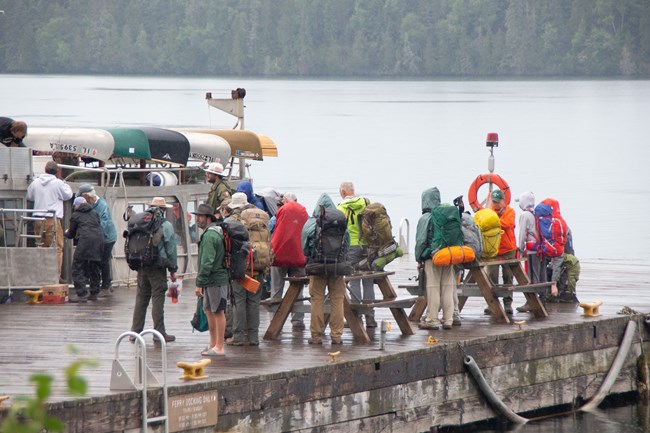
<point x="215" y="168"/>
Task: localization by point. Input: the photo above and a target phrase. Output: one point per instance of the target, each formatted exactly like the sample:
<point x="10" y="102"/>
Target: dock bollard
<point x="385" y="327"/>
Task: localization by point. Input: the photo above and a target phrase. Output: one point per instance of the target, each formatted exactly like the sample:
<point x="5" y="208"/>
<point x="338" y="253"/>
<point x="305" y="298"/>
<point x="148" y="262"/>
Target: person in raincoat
<point x="326" y="270"/>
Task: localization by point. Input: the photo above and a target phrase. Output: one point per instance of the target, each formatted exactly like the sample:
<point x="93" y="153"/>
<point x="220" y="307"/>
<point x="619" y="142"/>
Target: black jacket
<point x="84" y="224"/>
<point x="6" y="137"/>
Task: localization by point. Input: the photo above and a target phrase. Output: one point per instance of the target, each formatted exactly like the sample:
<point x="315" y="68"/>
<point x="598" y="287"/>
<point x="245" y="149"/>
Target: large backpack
<point x="237" y="248"/>
<point x="257" y="223"/>
<point x="489" y="224"/>
<point x="377" y="231"/>
<point x="329" y="256"/>
<point x="144" y="233"/>
<point x="446" y="228"/>
<point x="471" y="234"/>
<point x="552" y="231"/>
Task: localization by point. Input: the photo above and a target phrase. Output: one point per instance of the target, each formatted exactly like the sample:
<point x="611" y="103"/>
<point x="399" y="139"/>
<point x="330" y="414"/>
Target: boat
<point x="127" y="167"/>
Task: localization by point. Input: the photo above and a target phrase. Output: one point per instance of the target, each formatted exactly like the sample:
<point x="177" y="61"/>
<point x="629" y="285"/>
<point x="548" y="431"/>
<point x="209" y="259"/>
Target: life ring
<point x="482" y="179"/>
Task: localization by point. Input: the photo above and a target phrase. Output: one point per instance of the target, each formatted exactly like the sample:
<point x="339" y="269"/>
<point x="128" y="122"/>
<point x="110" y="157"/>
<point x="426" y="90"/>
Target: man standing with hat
<point x="212" y="278"/>
<point x="87" y="191"/>
<point x="152" y="280"/>
<point x="219" y="190"/>
<point x="507" y="246"/>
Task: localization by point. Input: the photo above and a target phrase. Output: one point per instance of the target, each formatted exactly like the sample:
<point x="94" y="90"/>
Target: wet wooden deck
<point x="33" y="338"/>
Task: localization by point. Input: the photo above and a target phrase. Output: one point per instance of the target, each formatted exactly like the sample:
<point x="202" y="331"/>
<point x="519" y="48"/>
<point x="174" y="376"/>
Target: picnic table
<point x="477" y="283"/>
<point x="352" y="311"/>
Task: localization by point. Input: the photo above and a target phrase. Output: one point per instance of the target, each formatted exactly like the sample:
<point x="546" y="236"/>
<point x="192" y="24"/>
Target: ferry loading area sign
<point x="192" y="411"/>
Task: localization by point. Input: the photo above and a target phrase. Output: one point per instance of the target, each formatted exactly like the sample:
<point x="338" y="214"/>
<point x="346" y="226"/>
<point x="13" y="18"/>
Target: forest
<point x="376" y="39"/>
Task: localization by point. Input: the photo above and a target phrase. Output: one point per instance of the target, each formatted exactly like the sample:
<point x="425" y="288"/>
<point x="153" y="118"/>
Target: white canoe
<point x="85" y="142"/>
<point x="207" y="147"/>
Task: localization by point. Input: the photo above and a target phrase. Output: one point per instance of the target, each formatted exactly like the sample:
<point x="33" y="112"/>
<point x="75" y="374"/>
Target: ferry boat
<point x="127" y="166"/>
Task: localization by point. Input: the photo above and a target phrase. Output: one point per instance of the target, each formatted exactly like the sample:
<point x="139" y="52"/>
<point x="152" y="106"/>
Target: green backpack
<point x="447" y="230"/>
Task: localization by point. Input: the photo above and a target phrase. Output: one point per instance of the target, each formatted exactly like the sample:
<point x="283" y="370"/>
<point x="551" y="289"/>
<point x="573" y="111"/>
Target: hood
<point x="526" y="201"/>
<point x="84" y="207"/>
<point x="355" y="204"/>
<point x="323" y="200"/>
<point x="46" y="178"/>
<point x="430" y="199"/>
<point x="554" y="204"/>
<point x="247" y="188"/>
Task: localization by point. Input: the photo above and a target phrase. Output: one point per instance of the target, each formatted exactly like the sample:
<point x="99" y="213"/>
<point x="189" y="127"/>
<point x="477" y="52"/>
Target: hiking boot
<point x="105" y="293"/>
<point x="487" y="311"/>
<point x="78" y="299"/>
<point x="315" y="340"/>
<point x="429" y="325"/>
<point x="297" y="326"/>
<point x="446" y="326"/>
<point x="233" y="342"/>
<point x="337" y="340"/>
<point x="92" y="297"/>
<point x="371" y="322"/>
<point x="456" y="319"/>
<point x="507" y="306"/>
<point x="524" y="308"/>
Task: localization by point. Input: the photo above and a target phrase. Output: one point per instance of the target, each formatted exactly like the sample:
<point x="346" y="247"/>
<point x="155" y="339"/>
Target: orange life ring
<point x="482" y="179"/>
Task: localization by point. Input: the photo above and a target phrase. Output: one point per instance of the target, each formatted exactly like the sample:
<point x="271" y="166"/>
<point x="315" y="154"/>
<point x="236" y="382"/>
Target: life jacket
<point x="552" y="230"/>
<point x="446" y="228"/>
<point x="488" y="223"/>
<point x="237" y="246"/>
<point x="260" y="257"/>
<point x="143" y="234"/>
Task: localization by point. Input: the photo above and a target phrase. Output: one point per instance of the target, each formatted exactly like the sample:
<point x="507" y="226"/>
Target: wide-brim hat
<point x="159" y="202"/>
<point x="204" y="209"/>
<point x="238" y="200"/>
<point x="215" y="168"/>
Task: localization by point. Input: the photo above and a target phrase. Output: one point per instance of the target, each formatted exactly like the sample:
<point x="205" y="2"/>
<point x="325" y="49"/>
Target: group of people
<point x="561" y="268"/>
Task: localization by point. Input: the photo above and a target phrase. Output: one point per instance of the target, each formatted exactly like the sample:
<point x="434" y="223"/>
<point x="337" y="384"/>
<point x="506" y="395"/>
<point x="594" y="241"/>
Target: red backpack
<point x="551" y="227"/>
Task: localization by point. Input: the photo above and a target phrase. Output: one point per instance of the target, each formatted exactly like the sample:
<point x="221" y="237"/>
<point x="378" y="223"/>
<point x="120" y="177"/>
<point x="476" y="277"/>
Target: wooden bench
<point x="351" y="311"/>
<point x="477" y="283"/>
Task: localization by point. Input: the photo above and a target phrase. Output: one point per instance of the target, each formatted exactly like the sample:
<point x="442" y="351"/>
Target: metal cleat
<point x="520" y="324"/>
<point x="193" y="370"/>
<point x="431" y="341"/>
<point x="3" y="398"/>
<point x="34" y="296"/>
<point x="333" y="356"/>
<point x="591" y="310"/>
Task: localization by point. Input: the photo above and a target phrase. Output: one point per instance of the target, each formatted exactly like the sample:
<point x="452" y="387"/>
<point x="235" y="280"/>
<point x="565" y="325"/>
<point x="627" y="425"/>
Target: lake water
<point x="586" y="143"/>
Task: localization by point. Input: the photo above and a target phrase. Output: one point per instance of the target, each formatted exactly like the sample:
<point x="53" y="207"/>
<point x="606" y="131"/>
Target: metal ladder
<point x="23" y="235"/>
<point x="120" y="380"/>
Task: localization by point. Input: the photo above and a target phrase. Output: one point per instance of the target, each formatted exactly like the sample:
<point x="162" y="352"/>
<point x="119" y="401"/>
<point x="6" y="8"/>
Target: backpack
<point x="376" y="229"/>
<point x="471" y="234"/>
<point x="257" y="223"/>
<point x="329" y="254"/>
<point x="143" y="234"/>
<point x="489" y="224"/>
<point x="446" y="228"/>
<point x="237" y="247"/>
<point x="552" y="231"/>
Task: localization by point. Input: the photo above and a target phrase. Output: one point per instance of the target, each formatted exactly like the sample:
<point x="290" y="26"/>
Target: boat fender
<point x="481" y="180"/>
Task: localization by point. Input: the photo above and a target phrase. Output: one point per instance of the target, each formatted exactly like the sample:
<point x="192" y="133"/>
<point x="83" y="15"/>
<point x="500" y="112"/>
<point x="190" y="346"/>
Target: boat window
<point x="191" y="221"/>
<point x="173" y="215"/>
<point x="8" y="221"/>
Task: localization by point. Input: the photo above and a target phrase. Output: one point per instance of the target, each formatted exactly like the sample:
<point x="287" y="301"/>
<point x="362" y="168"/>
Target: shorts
<point x="215" y="298"/>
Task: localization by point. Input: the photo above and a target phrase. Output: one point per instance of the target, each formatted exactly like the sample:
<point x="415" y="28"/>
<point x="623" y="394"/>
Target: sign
<point x="192" y="411"/>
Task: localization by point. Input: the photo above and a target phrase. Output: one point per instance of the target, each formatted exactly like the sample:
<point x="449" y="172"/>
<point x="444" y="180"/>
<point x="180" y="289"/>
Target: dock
<point x="416" y="382"/>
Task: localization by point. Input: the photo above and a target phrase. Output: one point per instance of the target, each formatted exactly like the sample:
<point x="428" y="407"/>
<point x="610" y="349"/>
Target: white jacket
<point x="48" y="193"/>
<point x="527" y="225"/>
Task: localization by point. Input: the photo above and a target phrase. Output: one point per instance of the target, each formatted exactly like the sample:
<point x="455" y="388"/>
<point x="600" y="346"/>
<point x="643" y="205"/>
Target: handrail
<point x="404" y="242"/>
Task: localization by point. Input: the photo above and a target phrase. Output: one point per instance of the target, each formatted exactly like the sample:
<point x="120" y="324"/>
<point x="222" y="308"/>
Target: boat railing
<point x="404" y="241"/>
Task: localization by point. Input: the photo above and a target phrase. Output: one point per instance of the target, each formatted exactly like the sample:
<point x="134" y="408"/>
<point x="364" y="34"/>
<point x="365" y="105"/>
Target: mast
<point x="235" y="107"/>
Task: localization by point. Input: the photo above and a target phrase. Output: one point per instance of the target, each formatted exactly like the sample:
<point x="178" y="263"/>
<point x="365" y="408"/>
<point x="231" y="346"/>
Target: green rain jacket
<point x="309" y="229"/>
<point x="212" y="272"/>
<point x="424" y="231"/>
<point x="352" y="207"/>
<point x="167" y="247"/>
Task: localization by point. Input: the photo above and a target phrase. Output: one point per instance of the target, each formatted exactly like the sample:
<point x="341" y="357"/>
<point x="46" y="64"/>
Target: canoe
<point x="207" y="147"/>
<point x="155" y="144"/>
<point x="84" y="142"/>
<point x="130" y="143"/>
<point x="244" y="143"/>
